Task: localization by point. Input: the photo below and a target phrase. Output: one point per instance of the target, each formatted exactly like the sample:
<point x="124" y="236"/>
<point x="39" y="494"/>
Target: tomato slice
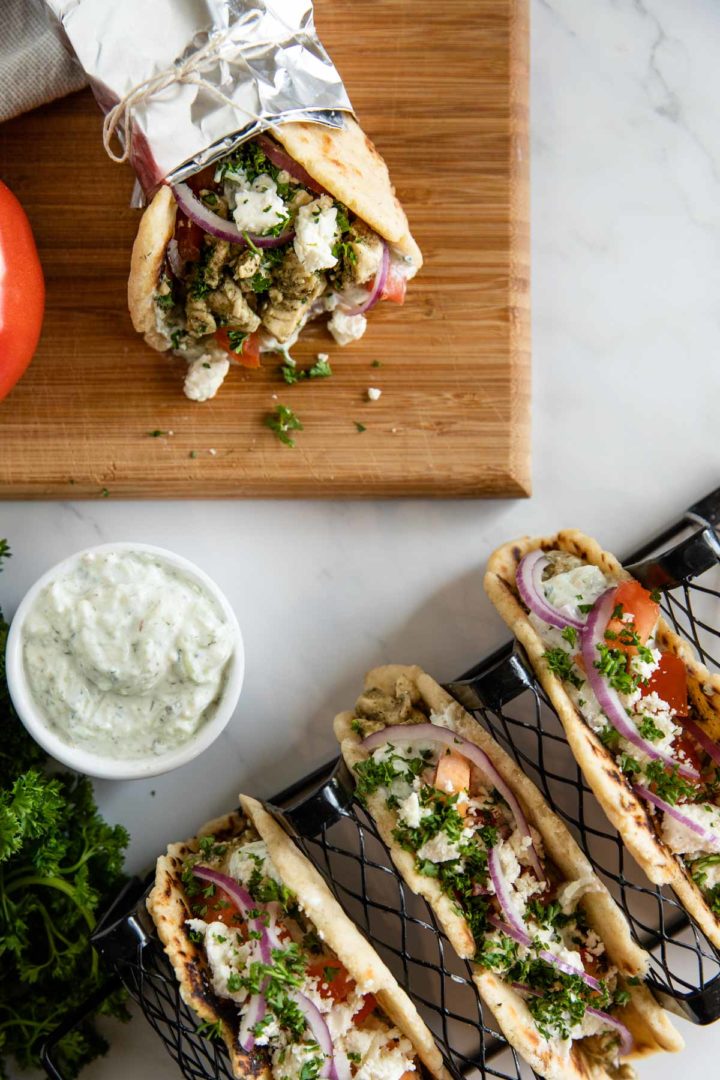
<point x="220" y="908"/>
<point x="636" y="601"/>
<point x="22" y="291"/>
<point x="669" y="682"/>
<point x="686" y="746"/>
<point x="369" y="1006"/>
<point x="452" y="774"/>
<point x="395" y="287"/>
<point x="333" y="980"/>
<point x="250" y="355"/>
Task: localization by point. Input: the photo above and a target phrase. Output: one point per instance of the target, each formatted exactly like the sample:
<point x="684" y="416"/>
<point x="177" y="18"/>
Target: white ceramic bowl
<point x="113" y="768"/>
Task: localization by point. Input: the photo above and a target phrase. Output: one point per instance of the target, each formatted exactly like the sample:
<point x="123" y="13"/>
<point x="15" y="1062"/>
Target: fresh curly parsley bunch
<point x="60" y="863"/>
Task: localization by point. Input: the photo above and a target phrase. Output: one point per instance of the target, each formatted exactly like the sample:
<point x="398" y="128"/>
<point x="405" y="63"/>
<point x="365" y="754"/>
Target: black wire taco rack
<point x="332" y="828"/>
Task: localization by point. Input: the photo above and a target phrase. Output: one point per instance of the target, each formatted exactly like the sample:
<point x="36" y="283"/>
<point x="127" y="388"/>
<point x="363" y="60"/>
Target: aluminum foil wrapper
<point x="262" y="65"/>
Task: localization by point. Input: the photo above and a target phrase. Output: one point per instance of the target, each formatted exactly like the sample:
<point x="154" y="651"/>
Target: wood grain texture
<point x="442" y="90"/>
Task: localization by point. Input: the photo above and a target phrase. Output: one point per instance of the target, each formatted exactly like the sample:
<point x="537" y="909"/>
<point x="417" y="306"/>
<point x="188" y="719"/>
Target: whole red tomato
<point x="22" y="291"/>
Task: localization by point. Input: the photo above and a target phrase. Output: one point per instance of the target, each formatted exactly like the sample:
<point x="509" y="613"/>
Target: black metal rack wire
<point x="336" y="834"/>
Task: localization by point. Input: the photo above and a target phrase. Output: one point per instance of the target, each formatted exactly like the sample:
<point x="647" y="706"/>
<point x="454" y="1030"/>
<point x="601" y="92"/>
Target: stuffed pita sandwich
<point x="269" y="961"/>
<point x="552" y="954"/>
<point x="641" y="713"/>
<point x="297" y="223"/>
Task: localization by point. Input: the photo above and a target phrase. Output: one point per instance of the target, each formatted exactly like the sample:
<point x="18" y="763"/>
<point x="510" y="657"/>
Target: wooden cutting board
<point x="442" y="90"/>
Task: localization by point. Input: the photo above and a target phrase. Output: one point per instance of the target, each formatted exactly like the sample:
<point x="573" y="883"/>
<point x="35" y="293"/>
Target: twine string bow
<point x="190" y="71"/>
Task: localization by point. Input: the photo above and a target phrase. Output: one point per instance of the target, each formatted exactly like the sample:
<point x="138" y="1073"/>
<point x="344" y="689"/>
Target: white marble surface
<point x="626" y="254"/>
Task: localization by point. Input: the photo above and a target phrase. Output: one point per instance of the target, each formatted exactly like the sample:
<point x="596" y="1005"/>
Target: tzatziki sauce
<point x="125" y="654"/>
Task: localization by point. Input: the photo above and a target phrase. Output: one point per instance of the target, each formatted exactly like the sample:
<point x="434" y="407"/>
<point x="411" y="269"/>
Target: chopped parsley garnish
<point x="585" y="609"/>
<point x="321" y="369"/>
<point x="613" y="665"/>
<point x="655" y="596"/>
<point x="210" y="1030"/>
<point x="700" y="866"/>
<point x="570" y="635"/>
<point x="609" y="737"/>
<point x="157" y="433"/>
<point x="374" y="774"/>
<point x="668" y="785"/>
<point x="260" y="282"/>
<point x="629" y="765"/>
<point x="236" y="340"/>
<point x="360" y="427"/>
<point x="561" y="664"/>
<point x="649" y="729"/>
<point x="282" y="422"/>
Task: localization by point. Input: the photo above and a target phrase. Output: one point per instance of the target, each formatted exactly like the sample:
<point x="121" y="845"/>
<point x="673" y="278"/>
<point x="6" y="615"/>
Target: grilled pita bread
<point x="649" y="1025"/>
<point x="170" y="907"/>
<point x="625" y="810"/>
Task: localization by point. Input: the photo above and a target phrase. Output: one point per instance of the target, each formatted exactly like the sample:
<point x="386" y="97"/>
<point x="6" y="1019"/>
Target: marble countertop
<point x="626" y="338"/>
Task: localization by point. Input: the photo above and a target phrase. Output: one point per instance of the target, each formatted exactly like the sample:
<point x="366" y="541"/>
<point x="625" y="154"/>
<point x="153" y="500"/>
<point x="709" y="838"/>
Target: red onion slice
<point x="544" y="954"/>
<point x="254" y="1012"/>
<point x="434" y="733"/>
<point x="608" y="698"/>
<point x="319" y="1028"/>
<point x="282" y="160"/>
<point x="376" y="289"/>
<point x="702" y="737"/>
<point x="532" y="593"/>
<point x="705" y="835"/>
<point x="504" y="894"/>
<point x="245" y="903"/>
<point x="212" y="223"/>
<point x="626" y="1040"/>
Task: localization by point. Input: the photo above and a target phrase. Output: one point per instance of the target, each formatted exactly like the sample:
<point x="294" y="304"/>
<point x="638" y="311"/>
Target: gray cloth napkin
<point x="35" y="67"/>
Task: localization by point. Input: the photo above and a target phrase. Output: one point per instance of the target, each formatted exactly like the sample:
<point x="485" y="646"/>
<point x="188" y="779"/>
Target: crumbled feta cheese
<point x="291" y="1060"/>
<point x="322" y="357"/>
<point x="568" y="956"/>
<point x="384" y="1055"/>
<point x="346" y="328"/>
<point x="645" y="668"/>
<point x="373" y="393"/>
<point x="256" y="207"/>
<point x="241" y="861"/>
<point x="683" y="841"/>
<point x="270" y="1031"/>
<point x="439" y="849"/>
<point x="509" y="865"/>
<point x="205" y="377"/>
<point x="411" y="812"/>
<point x="316" y="233"/>
<point x="582" y="585"/>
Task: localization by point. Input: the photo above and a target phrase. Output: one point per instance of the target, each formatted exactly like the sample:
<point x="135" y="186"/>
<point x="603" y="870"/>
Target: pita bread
<point x="626" y="812"/>
<point x="170" y="907"/>
<point x="342" y="160"/>
<point x="146" y="262"/>
<point x="647" y="1021"/>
